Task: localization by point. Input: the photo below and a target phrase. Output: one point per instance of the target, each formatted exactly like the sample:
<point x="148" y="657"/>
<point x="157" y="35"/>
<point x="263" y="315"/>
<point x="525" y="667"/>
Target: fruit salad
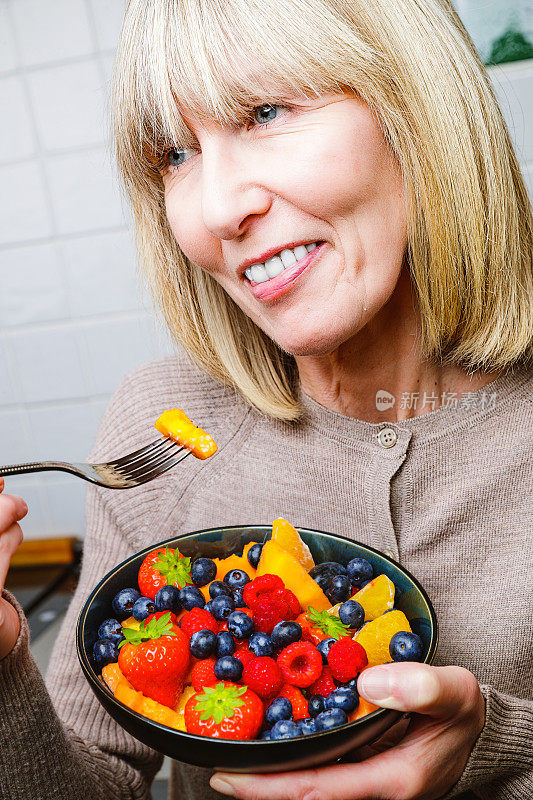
<point x="262" y="645"/>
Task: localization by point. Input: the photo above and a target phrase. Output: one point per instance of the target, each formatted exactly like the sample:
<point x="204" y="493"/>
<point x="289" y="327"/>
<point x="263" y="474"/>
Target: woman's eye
<point x="266" y="113"/>
<point x="175" y="157"/>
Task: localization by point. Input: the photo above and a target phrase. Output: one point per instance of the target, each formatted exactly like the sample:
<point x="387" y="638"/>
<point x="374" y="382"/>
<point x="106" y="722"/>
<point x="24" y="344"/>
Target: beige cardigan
<point x="452" y="500"/>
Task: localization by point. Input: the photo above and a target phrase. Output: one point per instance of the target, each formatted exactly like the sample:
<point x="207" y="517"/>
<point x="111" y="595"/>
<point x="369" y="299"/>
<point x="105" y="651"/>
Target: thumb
<point x="411" y="686"/>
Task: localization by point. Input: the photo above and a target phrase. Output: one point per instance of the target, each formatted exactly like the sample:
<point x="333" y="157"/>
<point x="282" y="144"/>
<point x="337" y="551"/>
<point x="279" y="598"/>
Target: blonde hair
<point x="470" y="231"/>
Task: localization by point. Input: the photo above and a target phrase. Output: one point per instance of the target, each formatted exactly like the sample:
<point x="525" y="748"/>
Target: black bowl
<point x="257" y="755"/>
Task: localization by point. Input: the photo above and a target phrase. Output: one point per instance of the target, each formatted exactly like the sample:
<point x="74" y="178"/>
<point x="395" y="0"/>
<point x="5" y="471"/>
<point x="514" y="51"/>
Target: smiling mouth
<point x="272" y="287"/>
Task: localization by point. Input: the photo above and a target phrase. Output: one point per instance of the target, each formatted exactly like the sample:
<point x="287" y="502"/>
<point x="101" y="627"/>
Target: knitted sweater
<point x="451" y="499"/>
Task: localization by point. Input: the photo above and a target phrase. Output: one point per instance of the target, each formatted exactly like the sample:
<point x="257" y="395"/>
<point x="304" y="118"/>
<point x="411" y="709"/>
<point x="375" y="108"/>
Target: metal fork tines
<point x="131" y="470"/>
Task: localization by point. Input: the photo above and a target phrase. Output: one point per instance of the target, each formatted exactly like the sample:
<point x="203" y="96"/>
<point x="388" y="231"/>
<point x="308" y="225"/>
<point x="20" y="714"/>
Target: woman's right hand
<point x="12" y="508"/>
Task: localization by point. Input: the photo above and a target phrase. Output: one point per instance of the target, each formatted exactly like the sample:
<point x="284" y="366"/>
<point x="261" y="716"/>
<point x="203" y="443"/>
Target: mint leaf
<point x="328" y="623"/>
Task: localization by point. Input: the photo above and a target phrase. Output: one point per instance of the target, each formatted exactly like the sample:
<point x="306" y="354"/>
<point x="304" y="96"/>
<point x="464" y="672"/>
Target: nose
<point x="231" y="195"/>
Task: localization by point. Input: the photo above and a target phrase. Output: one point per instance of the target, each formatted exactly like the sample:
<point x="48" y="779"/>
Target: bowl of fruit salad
<point x="239" y="648"/>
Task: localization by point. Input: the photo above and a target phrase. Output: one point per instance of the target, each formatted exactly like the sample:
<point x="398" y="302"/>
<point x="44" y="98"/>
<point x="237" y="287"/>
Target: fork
<point x="134" y="469"/>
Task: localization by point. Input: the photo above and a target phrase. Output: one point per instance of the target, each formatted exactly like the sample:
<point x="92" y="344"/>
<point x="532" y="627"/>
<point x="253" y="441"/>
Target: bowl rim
<point x="98" y="683"/>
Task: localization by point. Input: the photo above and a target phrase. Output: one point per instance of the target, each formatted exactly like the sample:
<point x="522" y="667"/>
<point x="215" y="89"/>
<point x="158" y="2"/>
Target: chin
<point x="312" y="343"/>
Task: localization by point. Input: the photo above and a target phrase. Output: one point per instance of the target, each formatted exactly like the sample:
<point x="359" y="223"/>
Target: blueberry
<point x="240" y="624"/>
<point x="191" y="597"/>
<point x="285" y="729"/>
<point x="329" y="567"/>
<point x="344" y="698"/>
<point x="218" y="587"/>
<point x="203" y="643"/>
<point x="254" y="554"/>
<point x="280" y="708"/>
<point x="285" y="633"/>
<point x="168" y="599"/>
<point x="123" y="602"/>
<point x="203" y="571"/>
<point x="266" y="735"/>
<point x="236" y="579"/>
<point x="221" y="607"/>
<point x="143" y="607"/>
<point x="228" y="668"/>
<point x="352" y="613"/>
<point x="331" y="718"/>
<point x="323" y="648"/>
<point x="209" y="606"/>
<point x="105" y="651"/>
<point x="238" y="597"/>
<point x="351" y="685"/>
<point x="323" y="580"/>
<point x="225" y="644"/>
<point x="260" y="644"/>
<point x="316" y="705"/>
<point x="307" y="726"/>
<point x="111" y="629"/>
<point x="339" y="589"/>
<point x="405" y="646"/>
<point x="359" y="570"/>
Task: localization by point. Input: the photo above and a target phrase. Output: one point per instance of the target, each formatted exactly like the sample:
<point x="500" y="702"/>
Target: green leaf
<point x="219" y="702"/>
<point x="154" y="629"/>
<point x="328" y="623"/>
<point x="173" y="567"/>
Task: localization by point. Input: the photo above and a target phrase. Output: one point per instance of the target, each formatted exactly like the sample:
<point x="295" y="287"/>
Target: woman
<point x="334" y="225"/>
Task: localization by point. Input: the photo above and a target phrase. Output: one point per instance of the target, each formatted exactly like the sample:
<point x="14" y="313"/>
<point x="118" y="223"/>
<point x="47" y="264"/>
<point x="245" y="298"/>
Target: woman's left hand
<point x="449" y="714"/>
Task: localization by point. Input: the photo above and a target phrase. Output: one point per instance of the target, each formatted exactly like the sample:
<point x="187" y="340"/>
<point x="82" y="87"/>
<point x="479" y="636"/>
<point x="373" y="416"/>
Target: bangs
<point x="216" y="61"/>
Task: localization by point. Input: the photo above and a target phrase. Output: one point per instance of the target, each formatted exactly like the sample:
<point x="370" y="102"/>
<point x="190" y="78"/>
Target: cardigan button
<point x="387" y="437"/>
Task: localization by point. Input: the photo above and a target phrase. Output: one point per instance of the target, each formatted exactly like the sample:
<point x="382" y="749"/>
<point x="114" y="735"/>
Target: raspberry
<point x="242" y="652"/>
<point x="346" y="659"/>
<point x="263" y="676"/>
<point x="300" y="709"/>
<point x="300" y="663"/>
<point x="324" y="685"/>
<point x="203" y="674"/>
<point x="198" y="619"/>
<point x="290" y="598"/>
<point x="260" y="585"/>
<point x="268" y="611"/>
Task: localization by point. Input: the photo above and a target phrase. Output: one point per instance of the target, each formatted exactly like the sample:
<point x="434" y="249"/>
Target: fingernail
<point x="222" y="786"/>
<point x="375" y="684"/>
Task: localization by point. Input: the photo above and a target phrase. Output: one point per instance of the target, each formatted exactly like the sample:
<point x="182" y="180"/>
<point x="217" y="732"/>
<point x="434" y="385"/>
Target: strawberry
<point x="319" y="625"/>
<point x="324" y="685"/>
<point x="155" y="659"/>
<point x="346" y="659"/>
<point x="164" y="567"/>
<point x="198" y="619"/>
<point x="203" y="674"/>
<point x="300" y="663"/>
<point x="224" y="711"/>
<point x="300" y="709"/>
<point x="263" y="676"/>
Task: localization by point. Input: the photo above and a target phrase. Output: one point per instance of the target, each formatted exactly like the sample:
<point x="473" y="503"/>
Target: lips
<point x="281" y="284"/>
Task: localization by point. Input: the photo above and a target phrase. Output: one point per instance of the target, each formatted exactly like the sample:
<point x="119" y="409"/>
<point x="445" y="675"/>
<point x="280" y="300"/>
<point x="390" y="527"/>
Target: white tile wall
<point x="16" y="134"/>
<point x="73" y="319"/>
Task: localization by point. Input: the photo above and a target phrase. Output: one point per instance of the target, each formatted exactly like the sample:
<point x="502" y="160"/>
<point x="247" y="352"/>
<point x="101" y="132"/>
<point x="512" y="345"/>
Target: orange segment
<point x="289" y="539"/>
<point x="180" y="707"/>
<point x="224" y="565"/>
<point x="112" y="674"/>
<point x="175" y="424"/>
<point x="376" y="597"/>
<point x="131" y="622"/>
<point x="364" y="708"/>
<point x="375" y="636"/>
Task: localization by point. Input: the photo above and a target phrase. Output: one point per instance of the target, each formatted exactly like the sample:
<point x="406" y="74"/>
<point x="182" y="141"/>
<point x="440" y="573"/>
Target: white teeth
<point x="274" y="266"/>
<point x="300" y="251"/>
<point x="288" y="258"/>
<point x="259" y="274"/>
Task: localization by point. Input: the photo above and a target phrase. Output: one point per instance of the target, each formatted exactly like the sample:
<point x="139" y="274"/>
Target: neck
<point x="379" y="375"/>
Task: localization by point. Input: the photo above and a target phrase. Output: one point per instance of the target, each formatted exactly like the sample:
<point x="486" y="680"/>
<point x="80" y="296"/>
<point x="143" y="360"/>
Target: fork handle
<point x="35" y="466"/>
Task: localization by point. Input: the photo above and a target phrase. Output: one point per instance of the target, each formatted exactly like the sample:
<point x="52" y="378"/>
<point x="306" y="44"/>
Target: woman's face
<point x="312" y="171"/>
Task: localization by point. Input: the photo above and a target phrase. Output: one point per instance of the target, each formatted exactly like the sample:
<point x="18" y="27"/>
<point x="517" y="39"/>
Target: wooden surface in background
<point x="43" y="552"/>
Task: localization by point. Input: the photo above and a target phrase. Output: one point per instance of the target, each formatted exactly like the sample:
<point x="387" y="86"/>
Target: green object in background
<point x="511" y="46"/>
